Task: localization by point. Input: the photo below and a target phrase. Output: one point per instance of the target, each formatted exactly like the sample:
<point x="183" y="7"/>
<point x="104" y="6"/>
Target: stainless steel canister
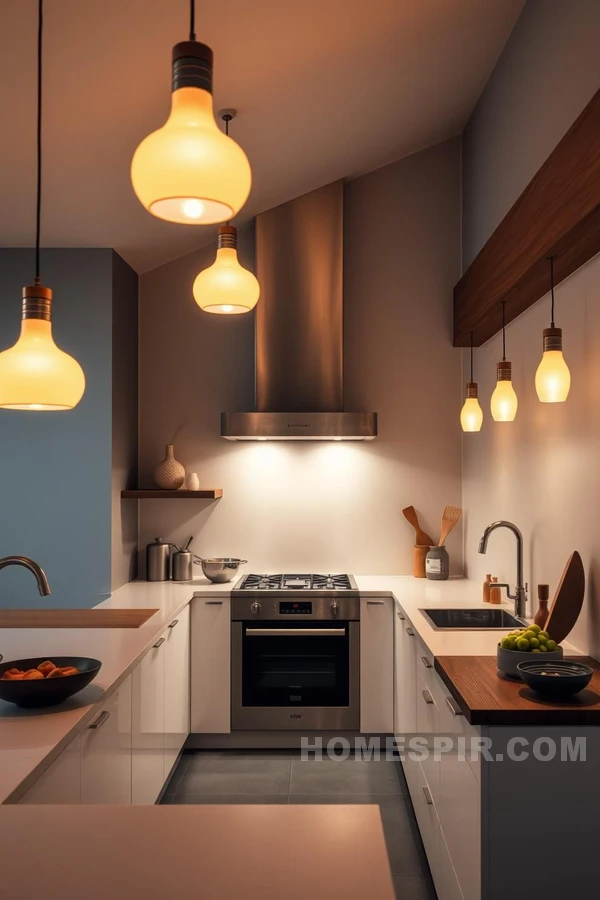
<point x="182" y="565"/>
<point x="158" y="560"/>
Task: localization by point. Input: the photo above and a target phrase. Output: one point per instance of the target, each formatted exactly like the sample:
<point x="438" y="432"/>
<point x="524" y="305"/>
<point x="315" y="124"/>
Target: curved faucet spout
<point x="520" y="595"/>
<point x="27" y="563"/>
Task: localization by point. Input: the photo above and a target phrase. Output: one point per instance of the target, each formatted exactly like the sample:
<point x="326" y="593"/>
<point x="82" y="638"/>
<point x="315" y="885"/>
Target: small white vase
<point x="193" y="482"/>
<point x="169" y="475"/>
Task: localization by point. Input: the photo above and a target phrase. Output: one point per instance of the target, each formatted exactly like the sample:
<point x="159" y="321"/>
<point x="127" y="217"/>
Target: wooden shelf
<point x="213" y="494"/>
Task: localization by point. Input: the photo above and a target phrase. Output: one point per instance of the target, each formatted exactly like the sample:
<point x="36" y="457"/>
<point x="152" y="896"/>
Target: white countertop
<point x="31" y="739"/>
<point x="192" y="852"/>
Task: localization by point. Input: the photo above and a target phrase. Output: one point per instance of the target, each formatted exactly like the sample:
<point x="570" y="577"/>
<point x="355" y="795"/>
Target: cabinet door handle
<point x="173" y="623"/>
<point x="401" y="616"/>
<point x="453" y="709"/>
<point x="426" y="662"/>
<point x="159" y="643"/>
<point x="375" y="602"/>
<point x="410" y="632"/>
<point x="102" y="718"/>
<point x="427" y="795"/>
<point x="213" y="603"/>
<point x="427" y="697"/>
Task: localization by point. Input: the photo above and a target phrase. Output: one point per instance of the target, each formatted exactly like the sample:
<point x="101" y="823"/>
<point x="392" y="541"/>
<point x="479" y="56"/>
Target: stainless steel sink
<point x="472" y="619"/>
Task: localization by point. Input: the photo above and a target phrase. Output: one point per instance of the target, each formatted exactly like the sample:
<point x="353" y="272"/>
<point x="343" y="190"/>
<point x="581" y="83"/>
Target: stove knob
<point x="255" y="608"/>
<point x="335" y="608"/>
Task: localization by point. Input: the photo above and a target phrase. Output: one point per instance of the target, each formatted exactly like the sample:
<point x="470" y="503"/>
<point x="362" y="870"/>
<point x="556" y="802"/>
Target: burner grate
<point x="302" y="582"/>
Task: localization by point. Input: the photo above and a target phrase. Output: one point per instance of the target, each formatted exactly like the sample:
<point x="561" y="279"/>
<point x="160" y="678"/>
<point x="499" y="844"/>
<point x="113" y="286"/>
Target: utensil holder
<point x="420" y="552"/>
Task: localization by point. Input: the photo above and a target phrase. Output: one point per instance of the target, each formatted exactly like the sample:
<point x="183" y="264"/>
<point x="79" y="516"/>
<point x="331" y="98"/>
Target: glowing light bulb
<point x="504" y="400"/>
<point x="34" y="373"/>
<point x="471" y="415"/>
<point x="552" y="378"/>
<point x="188" y="171"/>
<point x="226" y="287"/>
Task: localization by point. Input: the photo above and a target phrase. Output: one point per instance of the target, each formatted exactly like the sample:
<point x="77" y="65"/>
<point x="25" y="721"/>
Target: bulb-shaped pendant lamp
<point x="226" y="287"/>
<point x="504" y="400"/>
<point x="552" y="378"/>
<point x="471" y="415"/>
<point x="35" y="374"/>
<point x="189" y="171"/>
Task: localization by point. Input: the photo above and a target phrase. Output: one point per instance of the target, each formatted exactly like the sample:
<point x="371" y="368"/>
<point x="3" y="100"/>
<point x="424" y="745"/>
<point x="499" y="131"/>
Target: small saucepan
<point x="220" y="569"/>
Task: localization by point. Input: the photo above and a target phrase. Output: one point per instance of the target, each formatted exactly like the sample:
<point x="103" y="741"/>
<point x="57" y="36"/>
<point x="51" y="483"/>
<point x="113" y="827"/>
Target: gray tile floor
<point x="232" y="776"/>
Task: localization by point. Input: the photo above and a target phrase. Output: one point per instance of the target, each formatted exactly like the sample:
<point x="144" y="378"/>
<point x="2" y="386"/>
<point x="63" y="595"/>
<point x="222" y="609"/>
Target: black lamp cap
<point x="192" y="66"/>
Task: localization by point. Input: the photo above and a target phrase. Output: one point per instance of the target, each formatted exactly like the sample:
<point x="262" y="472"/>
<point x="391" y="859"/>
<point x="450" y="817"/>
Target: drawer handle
<point x="426" y="662"/>
<point x="453" y="709"/>
<point x="427" y="795"/>
<point x="213" y="603"/>
<point x="159" y="643"/>
<point x="410" y="632"/>
<point x="102" y="718"/>
<point x="400" y="616"/>
<point x="173" y="623"/>
<point x="427" y="697"/>
<point x="375" y="602"/>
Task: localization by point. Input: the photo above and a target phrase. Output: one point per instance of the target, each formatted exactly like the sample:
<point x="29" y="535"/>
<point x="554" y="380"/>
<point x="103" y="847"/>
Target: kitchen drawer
<point x="453" y="722"/>
<point x="445" y="880"/>
<point x="425" y="663"/>
<point x="427" y="819"/>
<point x="428" y="726"/>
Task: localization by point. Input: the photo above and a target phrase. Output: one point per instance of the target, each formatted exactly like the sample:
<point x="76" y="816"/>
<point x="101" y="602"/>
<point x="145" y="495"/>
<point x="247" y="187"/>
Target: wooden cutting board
<point x="74" y="618"/>
<point x="568" y="600"/>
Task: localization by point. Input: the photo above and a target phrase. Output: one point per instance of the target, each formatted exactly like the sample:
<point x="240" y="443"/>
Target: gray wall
<point x="540" y="471"/>
<point x="548" y="72"/>
<point x="55" y="468"/>
<point x="324" y="506"/>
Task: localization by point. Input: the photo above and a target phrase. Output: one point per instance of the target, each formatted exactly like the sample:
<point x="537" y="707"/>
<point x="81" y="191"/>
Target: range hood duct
<point x="299" y="327"/>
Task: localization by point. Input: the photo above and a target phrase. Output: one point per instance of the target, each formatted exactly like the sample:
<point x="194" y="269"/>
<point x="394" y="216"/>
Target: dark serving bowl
<point x="50" y="691"/>
<point x="555" y="680"/>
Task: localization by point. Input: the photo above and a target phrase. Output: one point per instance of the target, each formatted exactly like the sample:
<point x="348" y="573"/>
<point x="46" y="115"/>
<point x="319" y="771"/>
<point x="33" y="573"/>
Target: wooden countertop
<point x="489" y="699"/>
<point x="192" y="852"/>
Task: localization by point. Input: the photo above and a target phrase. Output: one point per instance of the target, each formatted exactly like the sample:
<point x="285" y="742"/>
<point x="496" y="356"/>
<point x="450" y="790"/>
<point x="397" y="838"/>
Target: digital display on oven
<point x="295" y="608"/>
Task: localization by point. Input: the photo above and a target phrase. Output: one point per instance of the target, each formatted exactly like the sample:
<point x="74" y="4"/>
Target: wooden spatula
<point x="568" y="600"/>
<point x="421" y="537"/>
<point x="450" y="517"/>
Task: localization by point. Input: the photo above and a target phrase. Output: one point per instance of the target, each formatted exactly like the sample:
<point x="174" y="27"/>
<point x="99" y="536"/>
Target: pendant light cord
<point x="471" y="357"/>
<point x="192" y="20"/>
<point x="552" y="258"/>
<point x="503" y="330"/>
<point x="38" y="211"/>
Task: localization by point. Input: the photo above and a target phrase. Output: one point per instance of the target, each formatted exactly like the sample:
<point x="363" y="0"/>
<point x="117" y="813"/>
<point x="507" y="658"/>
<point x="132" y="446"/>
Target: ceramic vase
<point x="193" y="482"/>
<point x="169" y="475"/>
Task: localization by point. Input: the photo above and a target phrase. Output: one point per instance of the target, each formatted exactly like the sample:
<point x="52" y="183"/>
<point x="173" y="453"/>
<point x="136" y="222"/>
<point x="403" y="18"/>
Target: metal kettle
<point x="158" y="560"/>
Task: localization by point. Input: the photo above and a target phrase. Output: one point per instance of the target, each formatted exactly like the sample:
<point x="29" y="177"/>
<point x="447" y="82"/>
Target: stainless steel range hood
<point x="299" y="327"/>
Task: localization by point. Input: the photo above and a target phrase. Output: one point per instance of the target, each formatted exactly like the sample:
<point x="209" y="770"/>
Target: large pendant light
<point x="552" y="378"/>
<point x="35" y="374"/>
<point x="226" y="287"/>
<point x="504" y="401"/>
<point x="189" y="171"/>
<point x="471" y="415"/>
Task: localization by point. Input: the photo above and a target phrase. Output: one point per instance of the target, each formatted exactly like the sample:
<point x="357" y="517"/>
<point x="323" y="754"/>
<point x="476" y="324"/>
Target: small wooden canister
<point x="420" y="552"/>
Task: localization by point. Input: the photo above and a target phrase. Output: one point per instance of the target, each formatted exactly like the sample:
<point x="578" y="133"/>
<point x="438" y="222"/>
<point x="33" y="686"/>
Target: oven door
<point x="287" y="676"/>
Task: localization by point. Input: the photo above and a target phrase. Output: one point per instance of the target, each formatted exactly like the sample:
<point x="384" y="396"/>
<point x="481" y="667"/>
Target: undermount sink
<point x="472" y="619"/>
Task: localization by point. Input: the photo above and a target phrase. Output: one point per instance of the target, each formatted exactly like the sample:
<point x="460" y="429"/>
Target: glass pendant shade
<point x="226" y="287"/>
<point x="34" y="373"/>
<point x="552" y="378"/>
<point x="189" y="171"/>
<point x="471" y="415"/>
<point x="504" y="400"/>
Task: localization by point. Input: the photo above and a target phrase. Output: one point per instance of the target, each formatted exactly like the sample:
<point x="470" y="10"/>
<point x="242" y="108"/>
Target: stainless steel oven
<point x="295" y="660"/>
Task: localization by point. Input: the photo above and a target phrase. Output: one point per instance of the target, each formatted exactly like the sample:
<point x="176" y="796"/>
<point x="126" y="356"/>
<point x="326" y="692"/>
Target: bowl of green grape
<point x="523" y="645"/>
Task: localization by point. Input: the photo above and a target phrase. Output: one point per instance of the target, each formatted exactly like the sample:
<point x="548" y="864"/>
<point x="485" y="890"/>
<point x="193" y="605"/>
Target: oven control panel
<point x="295" y="608"/>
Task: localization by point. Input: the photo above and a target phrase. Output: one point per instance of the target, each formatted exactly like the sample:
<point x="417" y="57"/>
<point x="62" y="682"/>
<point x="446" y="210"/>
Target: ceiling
<point x="324" y="89"/>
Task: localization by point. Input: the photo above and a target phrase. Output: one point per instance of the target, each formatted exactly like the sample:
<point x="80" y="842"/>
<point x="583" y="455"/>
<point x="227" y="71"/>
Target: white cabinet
<point x="61" y="782"/>
<point x="177" y="688"/>
<point x="211" y="666"/>
<point x="376" y="665"/>
<point x="148" y="725"/>
<point x="106" y="751"/>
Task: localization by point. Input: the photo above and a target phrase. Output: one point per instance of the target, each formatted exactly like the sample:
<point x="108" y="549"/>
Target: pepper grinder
<point x="541" y="616"/>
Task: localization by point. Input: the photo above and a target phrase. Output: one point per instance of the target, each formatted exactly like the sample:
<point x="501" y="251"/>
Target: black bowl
<point x="555" y="680"/>
<point x="50" y="691"/>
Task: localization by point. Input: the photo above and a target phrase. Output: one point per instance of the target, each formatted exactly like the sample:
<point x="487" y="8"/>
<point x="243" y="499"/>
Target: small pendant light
<point x="552" y="379"/>
<point x="504" y="401"/>
<point x="189" y="171"/>
<point x="34" y="373"/>
<point x="226" y="287"/>
<point x="471" y="415"/>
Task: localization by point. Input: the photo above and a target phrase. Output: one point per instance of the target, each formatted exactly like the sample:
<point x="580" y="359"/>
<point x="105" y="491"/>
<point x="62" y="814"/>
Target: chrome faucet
<point x="40" y="575"/>
<point x="520" y="595"/>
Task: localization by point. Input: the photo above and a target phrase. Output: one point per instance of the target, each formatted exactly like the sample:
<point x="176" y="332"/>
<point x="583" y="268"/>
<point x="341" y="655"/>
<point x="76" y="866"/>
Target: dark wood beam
<point x="557" y="213"/>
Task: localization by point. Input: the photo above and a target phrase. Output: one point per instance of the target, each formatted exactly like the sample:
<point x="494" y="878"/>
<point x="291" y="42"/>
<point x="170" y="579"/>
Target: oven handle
<point x="295" y="632"/>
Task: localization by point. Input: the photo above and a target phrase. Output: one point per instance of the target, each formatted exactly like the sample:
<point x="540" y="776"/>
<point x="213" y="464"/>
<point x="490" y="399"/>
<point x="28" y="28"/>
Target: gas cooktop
<point x="287" y="582"/>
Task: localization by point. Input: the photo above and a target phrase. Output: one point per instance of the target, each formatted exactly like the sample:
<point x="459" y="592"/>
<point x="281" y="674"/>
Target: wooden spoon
<point x="421" y="537"/>
<point x="450" y="517"/>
